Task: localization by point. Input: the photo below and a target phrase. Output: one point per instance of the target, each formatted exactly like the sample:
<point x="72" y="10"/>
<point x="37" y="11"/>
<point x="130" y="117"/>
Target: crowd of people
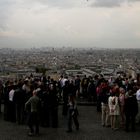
<point x="35" y="100"/>
<point x="119" y="101"/>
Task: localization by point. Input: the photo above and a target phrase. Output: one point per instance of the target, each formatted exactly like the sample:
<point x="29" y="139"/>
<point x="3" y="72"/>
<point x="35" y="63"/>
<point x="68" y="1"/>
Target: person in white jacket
<point x="114" y="110"/>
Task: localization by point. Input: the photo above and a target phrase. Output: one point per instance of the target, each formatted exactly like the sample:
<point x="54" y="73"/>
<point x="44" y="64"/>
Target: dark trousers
<point x="55" y="117"/>
<point x="130" y="119"/>
<point x="98" y="104"/>
<point x="0" y="105"/>
<point x="43" y="116"/>
<point x="20" y="113"/>
<point x="6" y="111"/>
<point x="11" y="111"/>
<point x="73" y="117"/>
<point x="84" y="91"/>
<point x="52" y="117"/>
<point x="65" y="108"/>
<point x="33" y="121"/>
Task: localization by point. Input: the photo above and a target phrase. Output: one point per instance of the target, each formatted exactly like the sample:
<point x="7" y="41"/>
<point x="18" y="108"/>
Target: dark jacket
<point x="131" y="106"/>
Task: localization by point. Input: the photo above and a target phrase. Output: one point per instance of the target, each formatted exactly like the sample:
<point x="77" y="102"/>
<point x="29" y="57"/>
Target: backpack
<point x="85" y="82"/>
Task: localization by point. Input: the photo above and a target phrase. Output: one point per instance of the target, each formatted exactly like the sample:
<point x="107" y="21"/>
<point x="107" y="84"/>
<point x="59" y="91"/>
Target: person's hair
<point x="121" y="89"/>
<point x="113" y="94"/>
<point x="34" y="92"/>
<point x="72" y="98"/>
<point x="130" y="92"/>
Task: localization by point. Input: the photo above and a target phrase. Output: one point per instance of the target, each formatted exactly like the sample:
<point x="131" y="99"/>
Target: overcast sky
<point x="72" y="23"/>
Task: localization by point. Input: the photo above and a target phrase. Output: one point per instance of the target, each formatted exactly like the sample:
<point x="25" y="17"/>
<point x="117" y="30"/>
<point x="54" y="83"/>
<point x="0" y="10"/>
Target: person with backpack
<point x="84" y="86"/>
<point x="72" y="113"/>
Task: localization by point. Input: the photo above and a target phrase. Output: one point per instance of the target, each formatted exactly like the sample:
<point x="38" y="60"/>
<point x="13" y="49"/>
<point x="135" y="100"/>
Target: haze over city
<point x="70" y="23"/>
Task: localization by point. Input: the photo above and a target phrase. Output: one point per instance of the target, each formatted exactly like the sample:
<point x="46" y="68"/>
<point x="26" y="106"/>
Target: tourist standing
<point x="72" y="113"/>
<point x="131" y="110"/>
<point x="114" y="109"/>
<point x="34" y="104"/>
<point x="122" y="103"/>
<point x="138" y="100"/>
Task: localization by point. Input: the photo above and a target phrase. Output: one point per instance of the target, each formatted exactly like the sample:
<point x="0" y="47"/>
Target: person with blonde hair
<point x="122" y="103"/>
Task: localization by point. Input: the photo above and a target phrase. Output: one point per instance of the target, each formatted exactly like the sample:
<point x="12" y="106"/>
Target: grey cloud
<point x="133" y="0"/>
<point x="111" y="3"/>
<point x="5" y="11"/>
<point x="107" y="3"/>
<point x="9" y="6"/>
<point x="56" y="3"/>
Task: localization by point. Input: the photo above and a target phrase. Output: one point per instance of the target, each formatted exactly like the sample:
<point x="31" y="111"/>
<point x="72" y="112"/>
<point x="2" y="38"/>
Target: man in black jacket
<point x="131" y="110"/>
<point x="19" y="98"/>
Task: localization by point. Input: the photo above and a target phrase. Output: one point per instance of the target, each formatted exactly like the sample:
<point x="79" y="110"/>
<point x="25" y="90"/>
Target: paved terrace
<point x="90" y="129"/>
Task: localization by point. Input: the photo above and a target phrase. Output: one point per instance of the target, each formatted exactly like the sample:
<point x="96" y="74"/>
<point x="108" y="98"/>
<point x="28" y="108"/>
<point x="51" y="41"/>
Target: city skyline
<point x="72" y="23"/>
